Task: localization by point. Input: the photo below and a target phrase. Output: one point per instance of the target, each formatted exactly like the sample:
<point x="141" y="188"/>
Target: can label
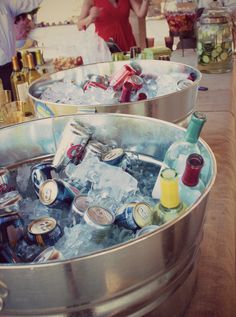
<point x="124" y="217"/>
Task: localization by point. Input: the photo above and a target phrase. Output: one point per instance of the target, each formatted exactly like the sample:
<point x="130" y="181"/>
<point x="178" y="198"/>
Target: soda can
<point x="54" y="192"/>
<point x="71" y="146"/>
<point x="11" y="228"/>
<point x="118" y="78"/>
<point x="9" y="201"/>
<point x="98" y="79"/>
<point x="136" y="81"/>
<point x="4" y="181"/>
<point x="142" y="96"/>
<point x="146" y="230"/>
<point x="44" y="231"/>
<point x="7" y="255"/>
<point x="90" y="84"/>
<point x="48" y="255"/>
<point x="40" y="173"/>
<point x="94" y="148"/>
<point x="100" y="220"/>
<point x="126" y="92"/>
<point x="80" y="204"/>
<point x="134" y="215"/>
<point x="114" y="156"/>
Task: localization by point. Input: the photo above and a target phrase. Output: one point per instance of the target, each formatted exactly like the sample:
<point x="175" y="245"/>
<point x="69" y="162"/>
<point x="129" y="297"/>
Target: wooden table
<point x="215" y="292"/>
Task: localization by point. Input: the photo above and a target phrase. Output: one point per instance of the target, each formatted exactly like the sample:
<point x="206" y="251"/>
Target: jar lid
<point x="214" y="17"/>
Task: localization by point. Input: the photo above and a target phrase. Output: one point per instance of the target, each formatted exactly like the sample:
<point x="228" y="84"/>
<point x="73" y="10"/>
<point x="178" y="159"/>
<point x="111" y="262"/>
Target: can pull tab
<point x="3" y="294"/>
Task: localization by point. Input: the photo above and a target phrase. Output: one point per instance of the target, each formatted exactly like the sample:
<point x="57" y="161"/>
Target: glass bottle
<point x="178" y="152"/>
<point x="40" y="63"/>
<point x="170" y="205"/>
<point x="25" y="68"/>
<point x="190" y="184"/>
<point x="214" y="42"/>
<point x="33" y="73"/>
<point x="18" y="81"/>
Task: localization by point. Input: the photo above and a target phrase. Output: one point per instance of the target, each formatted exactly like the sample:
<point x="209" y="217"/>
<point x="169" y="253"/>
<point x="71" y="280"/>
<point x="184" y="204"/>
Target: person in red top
<point x="111" y="19"/>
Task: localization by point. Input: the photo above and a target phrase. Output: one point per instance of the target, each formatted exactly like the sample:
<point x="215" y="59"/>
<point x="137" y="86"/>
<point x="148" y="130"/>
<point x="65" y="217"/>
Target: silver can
<point x="100" y="220"/>
<point x="72" y="144"/>
<point x="4" y="176"/>
<point x="79" y="206"/>
<point x="9" y="202"/>
<point x="94" y="148"/>
<point x="48" y="255"/>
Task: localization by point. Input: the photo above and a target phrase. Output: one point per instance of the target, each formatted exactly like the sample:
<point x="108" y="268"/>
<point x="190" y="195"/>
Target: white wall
<point x="58" y="10"/>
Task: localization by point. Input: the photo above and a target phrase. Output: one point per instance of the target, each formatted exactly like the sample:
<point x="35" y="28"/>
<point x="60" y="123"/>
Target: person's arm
<point x="18" y="7"/>
<point x="88" y="14"/>
<point x="140" y="7"/>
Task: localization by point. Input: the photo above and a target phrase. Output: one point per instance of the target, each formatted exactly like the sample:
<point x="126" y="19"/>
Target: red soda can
<point x="126" y="92"/>
<point x="136" y="81"/>
<point x="89" y="84"/>
<point x="119" y="77"/>
<point x="142" y="96"/>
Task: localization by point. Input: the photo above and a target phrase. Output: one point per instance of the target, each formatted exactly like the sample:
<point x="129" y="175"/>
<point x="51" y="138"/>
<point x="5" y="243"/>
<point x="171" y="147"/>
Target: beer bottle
<point x="25" y="68"/>
<point x="40" y="63"/>
<point x="33" y="73"/>
<point x="18" y="81"/>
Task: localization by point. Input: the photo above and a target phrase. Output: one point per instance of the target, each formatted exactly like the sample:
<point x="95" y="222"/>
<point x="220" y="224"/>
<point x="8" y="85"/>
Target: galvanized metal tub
<point x="154" y="275"/>
<point x="174" y="107"/>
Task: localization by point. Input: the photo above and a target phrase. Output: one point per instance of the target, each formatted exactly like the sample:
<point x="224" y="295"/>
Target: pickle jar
<point x="214" y="42"/>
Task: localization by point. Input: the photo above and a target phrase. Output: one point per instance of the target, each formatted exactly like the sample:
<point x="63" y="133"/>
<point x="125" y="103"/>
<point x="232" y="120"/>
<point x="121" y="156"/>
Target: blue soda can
<point x="44" y="231"/>
<point x="134" y="215"/>
<point x="40" y="173"/>
<point x="7" y="255"/>
<point x="54" y="192"/>
<point x="114" y="156"/>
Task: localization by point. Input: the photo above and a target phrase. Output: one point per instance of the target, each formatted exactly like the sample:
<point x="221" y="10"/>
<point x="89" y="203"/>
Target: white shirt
<point x="9" y="9"/>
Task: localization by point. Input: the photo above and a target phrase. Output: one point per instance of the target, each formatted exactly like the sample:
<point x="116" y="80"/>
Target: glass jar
<point x="181" y="17"/>
<point x="214" y="42"/>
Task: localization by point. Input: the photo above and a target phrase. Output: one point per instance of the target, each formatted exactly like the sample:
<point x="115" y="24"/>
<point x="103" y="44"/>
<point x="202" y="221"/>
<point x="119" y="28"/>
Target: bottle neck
<point x="15" y="64"/>
<point x="195" y="127"/>
<point x="169" y="189"/>
<point x="194" y="164"/>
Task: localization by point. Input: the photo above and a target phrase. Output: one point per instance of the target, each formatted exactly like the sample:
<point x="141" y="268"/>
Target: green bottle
<point x="178" y="152"/>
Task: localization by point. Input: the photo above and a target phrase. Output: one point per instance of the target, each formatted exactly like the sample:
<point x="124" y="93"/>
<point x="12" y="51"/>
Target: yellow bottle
<point x="33" y="74"/>
<point x="40" y="63"/>
<point x="170" y="205"/>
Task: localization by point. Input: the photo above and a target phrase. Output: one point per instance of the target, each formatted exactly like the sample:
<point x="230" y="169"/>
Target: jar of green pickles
<point x="214" y="42"/>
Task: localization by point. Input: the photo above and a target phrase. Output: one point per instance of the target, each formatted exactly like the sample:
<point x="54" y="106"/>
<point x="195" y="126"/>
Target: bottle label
<point x="22" y="91"/>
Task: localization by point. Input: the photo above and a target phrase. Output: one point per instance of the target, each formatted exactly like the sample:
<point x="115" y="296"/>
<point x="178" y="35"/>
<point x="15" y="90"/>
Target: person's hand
<point x="94" y="12"/>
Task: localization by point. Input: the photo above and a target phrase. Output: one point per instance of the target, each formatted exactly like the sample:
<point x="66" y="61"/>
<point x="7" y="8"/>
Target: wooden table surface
<point x="215" y="292"/>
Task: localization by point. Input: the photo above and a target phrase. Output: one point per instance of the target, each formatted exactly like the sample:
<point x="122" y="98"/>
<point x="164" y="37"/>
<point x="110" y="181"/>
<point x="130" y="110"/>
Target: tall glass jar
<point x="214" y="42"/>
<point x="180" y="16"/>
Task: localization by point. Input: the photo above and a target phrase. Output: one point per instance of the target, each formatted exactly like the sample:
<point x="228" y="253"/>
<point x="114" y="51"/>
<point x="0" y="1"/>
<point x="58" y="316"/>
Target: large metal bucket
<point x="174" y="107"/>
<point x="153" y="275"/>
